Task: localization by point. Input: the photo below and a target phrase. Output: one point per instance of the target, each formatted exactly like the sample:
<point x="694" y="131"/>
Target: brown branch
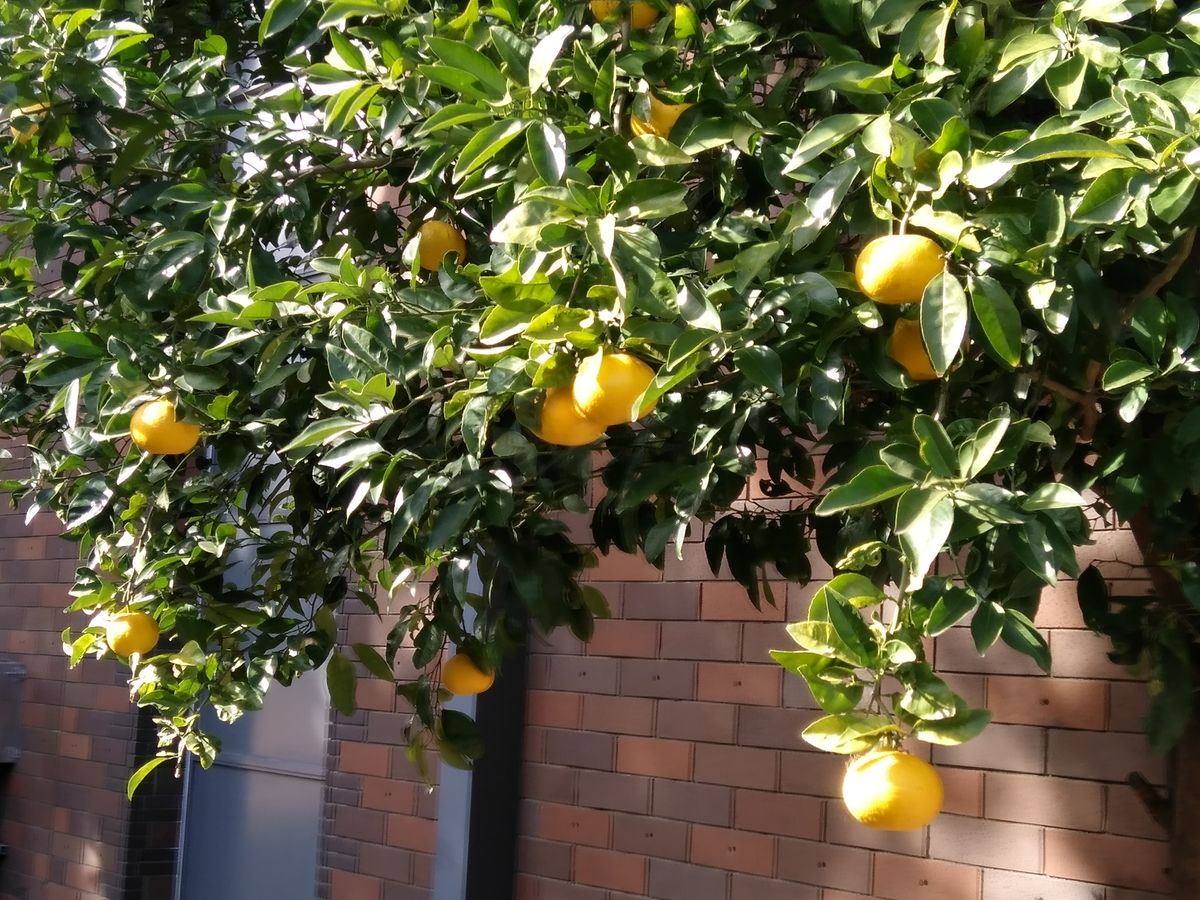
<point x="1157" y="804"/>
<point x="1167" y="275"/>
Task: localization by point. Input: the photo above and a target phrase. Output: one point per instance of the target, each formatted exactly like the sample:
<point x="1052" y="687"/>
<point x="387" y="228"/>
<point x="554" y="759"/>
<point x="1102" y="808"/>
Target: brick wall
<point x="380" y="821"/>
<point x="65" y="817"/>
<point x="664" y="760"/>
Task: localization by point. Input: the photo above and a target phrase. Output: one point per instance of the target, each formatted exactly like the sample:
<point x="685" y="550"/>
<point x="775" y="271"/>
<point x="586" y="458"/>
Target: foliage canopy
<point x="192" y="207"/>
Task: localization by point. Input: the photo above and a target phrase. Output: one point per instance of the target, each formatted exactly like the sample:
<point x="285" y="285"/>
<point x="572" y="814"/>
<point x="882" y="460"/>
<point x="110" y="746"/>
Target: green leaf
<point x="855" y="636"/>
<point x="343" y="683"/>
<point x="1053" y="495"/>
<point x="326" y="431"/>
<point x="374" y="662"/>
<point x="825" y="135"/>
<point x="935" y="447"/>
<point x="144" y="770"/>
<point x="944" y="320"/>
<point x="960" y="728"/>
<point x="952" y="607"/>
<point x="548" y="151"/>
<point x="467" y="59"/>
<point x="986" y="625"/>
<point x="650" y="198"/>
<point x="872" y="485"/>
<point x="1068" y="146"/>
<point x="926" y="696"/>
<point x="486" y="144"/>
<point x="1107" y="199"/>
<point x="1020" y="634"/>
<point x="924" y="517"/>
<point x="850" y="732"/>
<point x="544" y="55"/>
<point x="1125" y="372"/>
<point x="762" y="366"/>
<point x="998" y="317"/>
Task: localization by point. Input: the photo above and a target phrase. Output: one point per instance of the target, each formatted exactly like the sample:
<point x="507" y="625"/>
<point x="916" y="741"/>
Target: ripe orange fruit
<point x="155" y="429"/>
<point x="897" y="268"/>
<point x="461" y="677"/>
<point x="439" y="240"/>
<point x="907" y="347"/>
<point x="663" y="117"/>
<point x="892" y="790"/>
<point x="563" y="425"/>
<point x="131" y="632"/>
<point x="641" y="15"/>
<point x="607" y="387"/>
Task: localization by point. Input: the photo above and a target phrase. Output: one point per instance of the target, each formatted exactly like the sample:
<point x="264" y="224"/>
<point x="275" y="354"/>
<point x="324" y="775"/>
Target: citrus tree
<point x="353" y="291"/>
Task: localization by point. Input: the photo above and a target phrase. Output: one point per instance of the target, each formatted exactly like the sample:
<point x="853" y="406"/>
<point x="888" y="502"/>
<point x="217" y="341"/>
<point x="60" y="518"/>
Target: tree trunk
<point x="1184" y="778"/>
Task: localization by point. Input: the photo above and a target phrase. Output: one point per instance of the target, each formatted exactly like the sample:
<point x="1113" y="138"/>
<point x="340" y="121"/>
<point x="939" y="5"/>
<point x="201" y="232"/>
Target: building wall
<point x="663" y="760"/>
<point x="65" y="818"/>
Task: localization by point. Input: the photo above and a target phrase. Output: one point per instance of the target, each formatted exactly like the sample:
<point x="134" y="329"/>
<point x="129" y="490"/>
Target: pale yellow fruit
<point x="907" y="348"/>
<point x="155" y="429"/>
<point x="892" y="790"/>
<point x="128" y="633"/>
<point x="439" y="240"/>
<point x="607" y="387"/>
<point x="461" y="677"/>
<point x="897" y="268"/>
<point x="641" y="15"/>
<point x="562" y="423"/>
<point x="663" y="117"/>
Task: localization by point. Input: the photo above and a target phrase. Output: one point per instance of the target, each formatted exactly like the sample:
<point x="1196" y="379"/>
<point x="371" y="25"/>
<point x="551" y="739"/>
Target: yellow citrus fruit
<point x="892" y="790"/>
<point x="563" y="425"/>
<point x="155" y="429"/>
<point x="641" y="15"/>
<point x="896" y="268"/>
<point x="907" y="347"/>
<point x="128" y="633"/>
<point x="663" y="117"/>
<point x="607" y="387"/>
<point x="33" y="111"/>
<point x="461" y="677"/>
<point x="439" y="240"/>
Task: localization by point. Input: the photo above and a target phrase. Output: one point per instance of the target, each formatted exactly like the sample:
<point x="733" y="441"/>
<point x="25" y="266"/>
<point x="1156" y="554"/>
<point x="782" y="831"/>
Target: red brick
<point x="841" y="828"/>
<point x="661" y="601"/>
<point x="819" y="774"/>
<point x="618" y="715"/>
<point x="1053" y="702"/>
<point x="710" y="804"/>
<point x="736" y="851"/>
<point x="963" y="791"/>
<point x="651" y="837"/>
<point x="1083" y="654"/>
<point x="827" y="865"/>
<point x="553" y="783"/>
<point x="774" y="813"/>
<point x="680" y="881"/>
<point x="1015" y="748"/>
<point x="352" y="886"/>
<point x="727" y="601"/>
<point x="654" y="757"/>
<point x="740" y="683"/>
<point x="389" y="795"/>
<point x="658" y="678"/>
<point x="364" y="759"/>
<point x="547" y="858"/>
<point x="609" y="869"/>
<point x="359" y="824"/>
<point x="751" y="887"/>
<point x="585" y="749"/>
<point x="572" y="825"/>
<point x="1103" y="757"/>
<point x="1001" y="885"/>
<point x="701" y="640"/>
<point x="761" y="726"/>
<point x="1129" y="701"/>
<point x="614" y="790"/>
<point x="689" y="721"/>
<point x="760" y="638"/>
<point x="552" y="709"/>
<point x="737" y="766"/>
<point x="1059" y="608"/>
<point x="618" y="566"/>
<point x="586" y="674"/>
<point x="386" y="863"/>
<point x="1043" y="800"/>
<point x="1126" y="814"/>
<point x="907" y="878"/>
<point x="956" y="653"/>
<point x="1106" y="859"/>
<point x="616" y="637"/>
<point x="693" y="566"/>
<point x="979" y="842"/>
